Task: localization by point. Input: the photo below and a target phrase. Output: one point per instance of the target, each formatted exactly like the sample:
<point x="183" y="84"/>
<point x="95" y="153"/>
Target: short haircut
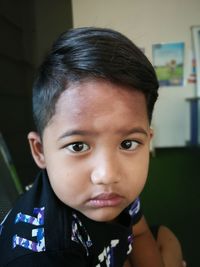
<point x="91" y="53"/>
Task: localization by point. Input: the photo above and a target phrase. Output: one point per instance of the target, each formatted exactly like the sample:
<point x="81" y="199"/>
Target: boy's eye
<point x="129" y="145"/>
<point x="78" y="147"/>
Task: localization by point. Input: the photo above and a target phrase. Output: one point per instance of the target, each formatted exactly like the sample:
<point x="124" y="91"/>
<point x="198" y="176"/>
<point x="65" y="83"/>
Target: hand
<point x="127" y="264"/>
<point x="170" y="248"/>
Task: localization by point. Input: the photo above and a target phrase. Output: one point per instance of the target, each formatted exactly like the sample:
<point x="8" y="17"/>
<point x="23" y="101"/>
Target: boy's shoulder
<point x="32" y="223"/>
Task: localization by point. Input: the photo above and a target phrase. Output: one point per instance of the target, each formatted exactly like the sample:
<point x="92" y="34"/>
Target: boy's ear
<point x="35" y="143"/>
<point x="151" y="133"/>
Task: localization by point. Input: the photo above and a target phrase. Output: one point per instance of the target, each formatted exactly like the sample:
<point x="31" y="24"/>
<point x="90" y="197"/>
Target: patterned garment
<point x="41" y="231"/>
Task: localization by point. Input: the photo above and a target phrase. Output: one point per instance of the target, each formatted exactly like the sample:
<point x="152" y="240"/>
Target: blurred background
<point x="28" y="28"/>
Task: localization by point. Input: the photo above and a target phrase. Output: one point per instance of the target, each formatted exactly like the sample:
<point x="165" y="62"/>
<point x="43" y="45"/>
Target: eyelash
<point x="80" y="147"/>
<point x="76" y="144"/>
<point x="132" y="142"/>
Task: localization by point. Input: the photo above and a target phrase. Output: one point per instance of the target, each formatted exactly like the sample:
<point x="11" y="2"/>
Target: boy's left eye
<point x="78" y="147"/>
<point x="129" y="145"/>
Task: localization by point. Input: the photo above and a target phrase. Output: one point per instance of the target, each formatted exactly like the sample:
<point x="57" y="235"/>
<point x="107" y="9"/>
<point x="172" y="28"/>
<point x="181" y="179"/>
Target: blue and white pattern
<point x="80" y="234"/>
<point x="39" y="244"/>
<point x="135" y="207"/>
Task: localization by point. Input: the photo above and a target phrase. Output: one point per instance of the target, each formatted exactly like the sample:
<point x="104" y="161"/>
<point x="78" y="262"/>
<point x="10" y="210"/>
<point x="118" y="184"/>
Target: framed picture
<point x="195" y="101"/>
<point x="168" y="61"/>
<point x="196" y="51"/>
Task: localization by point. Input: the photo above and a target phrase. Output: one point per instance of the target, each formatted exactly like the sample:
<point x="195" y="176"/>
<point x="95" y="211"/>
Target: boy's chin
<point x="102" y="215"/>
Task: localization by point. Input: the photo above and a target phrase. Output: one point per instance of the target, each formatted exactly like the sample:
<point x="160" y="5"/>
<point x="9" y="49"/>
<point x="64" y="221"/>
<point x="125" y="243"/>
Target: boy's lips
<point x="105" y="200"/>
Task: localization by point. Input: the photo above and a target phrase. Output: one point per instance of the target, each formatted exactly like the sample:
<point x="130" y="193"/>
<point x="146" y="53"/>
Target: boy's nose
<point x="106" y="171"/>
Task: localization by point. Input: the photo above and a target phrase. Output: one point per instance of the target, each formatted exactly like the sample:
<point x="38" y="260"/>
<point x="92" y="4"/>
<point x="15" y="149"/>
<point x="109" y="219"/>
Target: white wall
<point x="147" y="22"/>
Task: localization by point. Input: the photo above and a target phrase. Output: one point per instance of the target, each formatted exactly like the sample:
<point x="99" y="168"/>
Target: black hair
<point x="91" y="53"/>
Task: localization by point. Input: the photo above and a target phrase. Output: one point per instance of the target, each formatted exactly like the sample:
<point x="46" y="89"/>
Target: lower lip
<point x="101" y="203"/>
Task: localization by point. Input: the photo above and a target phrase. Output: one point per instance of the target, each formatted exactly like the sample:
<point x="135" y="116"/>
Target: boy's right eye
<point x="77" y="147"/>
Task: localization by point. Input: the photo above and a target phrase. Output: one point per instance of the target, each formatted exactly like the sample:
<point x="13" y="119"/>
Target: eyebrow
<point x="90" y="133"/>
<point x="75" y="132"/>
<point x="139" y="130"/>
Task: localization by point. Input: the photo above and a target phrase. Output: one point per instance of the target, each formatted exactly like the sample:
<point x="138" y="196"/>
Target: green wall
<point x="171" y="196"/>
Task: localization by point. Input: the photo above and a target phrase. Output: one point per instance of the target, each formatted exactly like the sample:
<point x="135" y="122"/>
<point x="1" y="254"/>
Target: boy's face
<point x="96" y="148"/>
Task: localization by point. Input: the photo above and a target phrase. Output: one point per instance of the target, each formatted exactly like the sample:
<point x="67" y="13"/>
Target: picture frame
<point x="195" y="103"/>
<point x="196" y="50"/>
<point x="168" y="61"/>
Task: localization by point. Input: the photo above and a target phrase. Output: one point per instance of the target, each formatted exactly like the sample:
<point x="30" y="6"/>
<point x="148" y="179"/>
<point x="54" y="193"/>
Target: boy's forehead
<point x="92" y="90"/>
<point x="99" y="98"/>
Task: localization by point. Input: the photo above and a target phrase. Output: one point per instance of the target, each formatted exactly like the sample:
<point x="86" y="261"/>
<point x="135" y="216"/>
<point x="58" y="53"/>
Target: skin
<point x="96" y="148"/>
<point x="170" y="248"/>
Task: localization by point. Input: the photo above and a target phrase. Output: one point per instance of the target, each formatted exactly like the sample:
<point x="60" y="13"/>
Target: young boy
<point x="93" y="100"/>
